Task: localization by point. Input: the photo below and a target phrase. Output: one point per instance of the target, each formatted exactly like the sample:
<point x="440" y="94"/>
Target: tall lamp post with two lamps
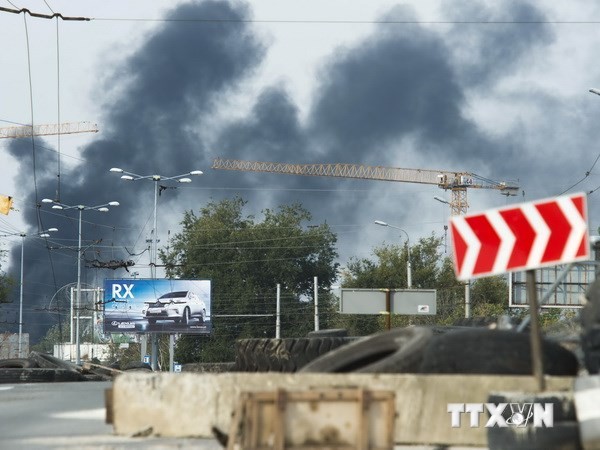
<point x="183" y="178"/>
<point x="80" y="208"/>
<point x="23" y="235"/>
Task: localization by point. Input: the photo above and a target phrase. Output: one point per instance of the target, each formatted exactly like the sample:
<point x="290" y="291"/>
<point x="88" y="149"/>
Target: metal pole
<point x="408" y="265"/>
<point x="316" y="304"/>
<point x="154" y="337"/>
<point x="78" y="304"/>
<point x="278" y="313"/>
<point x="468" y="300"/>
<point x="154" y="244"/>
<point x="388" y="309"/>
<point x="171" y="352"/>
<point x="72" y="327"/>
<point x="21" y="301"/>
<point x="536" y="339"/>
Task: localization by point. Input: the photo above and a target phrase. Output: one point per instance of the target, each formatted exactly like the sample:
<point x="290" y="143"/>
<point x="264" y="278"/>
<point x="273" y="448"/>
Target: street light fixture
<point x="183" y="178"/>
<point x="130" y="176"/>
<point x="80" y="208"/>
<point x="23" y="235"/>
<point x="408" y="264"/>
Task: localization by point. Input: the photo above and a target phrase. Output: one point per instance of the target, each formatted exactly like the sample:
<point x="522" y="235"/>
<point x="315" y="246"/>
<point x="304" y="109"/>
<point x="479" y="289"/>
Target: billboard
<point x="157" y="306"/>
<point x="402" y="301"/>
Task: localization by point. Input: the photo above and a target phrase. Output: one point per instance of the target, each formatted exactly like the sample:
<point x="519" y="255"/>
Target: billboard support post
<point x="316" y="304"/>
<point x="536" y="339"/>
<point x="171" y="352"/>
<point x="388" y="309"/>
<point x="468" y="299"/>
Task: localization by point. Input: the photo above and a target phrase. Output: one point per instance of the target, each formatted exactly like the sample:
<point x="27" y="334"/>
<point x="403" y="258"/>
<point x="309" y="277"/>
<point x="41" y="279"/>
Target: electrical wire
<point x="587" y="174"/>
<point x="353" y="22"/>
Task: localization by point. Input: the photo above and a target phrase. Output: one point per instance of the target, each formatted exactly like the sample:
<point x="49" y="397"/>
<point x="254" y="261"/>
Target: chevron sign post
<point x="520" y="237"/>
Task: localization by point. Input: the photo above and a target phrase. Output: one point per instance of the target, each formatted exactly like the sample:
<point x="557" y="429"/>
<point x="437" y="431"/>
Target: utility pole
<point x="278" y="313"/>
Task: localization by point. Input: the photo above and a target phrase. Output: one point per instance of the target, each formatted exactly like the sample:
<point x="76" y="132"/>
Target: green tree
<point x="489" y="297"/>
<point x="245" y="259"/>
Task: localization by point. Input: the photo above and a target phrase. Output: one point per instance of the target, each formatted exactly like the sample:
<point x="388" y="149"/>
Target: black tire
<point x="17" y="363"/>
<point x="137" y="365"/>
<point x="332" y="332"/>
<point x="44" y="360"/>
<point x="39" y="375"/>
<point x="282" y="355"/>
<point x="396" y="351"/>
<point x="590" y="345"/>
<point x="209" y="367"/>
<point x="202" y="316"/>
<point x="563" y="405"/>
<point x="562" y="436"/>
<point x="185" y="319"/>
<point x="485" y="351"/>
<point x="590" y="313"/>
<point x="151" y="321"/>
<point x="474" y="322"/>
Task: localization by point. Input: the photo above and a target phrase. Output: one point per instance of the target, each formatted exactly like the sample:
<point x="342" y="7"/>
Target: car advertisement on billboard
<point x="157" y="306"/>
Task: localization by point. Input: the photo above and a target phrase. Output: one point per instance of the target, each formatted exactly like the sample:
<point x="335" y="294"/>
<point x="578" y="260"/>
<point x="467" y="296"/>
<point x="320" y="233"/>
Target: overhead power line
<point x="42" y="16"/>
<point x="354" y="22"/>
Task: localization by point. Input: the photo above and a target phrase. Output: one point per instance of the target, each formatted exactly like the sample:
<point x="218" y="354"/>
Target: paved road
<point x="69" y="416"/>
<point x="72" y="416"/>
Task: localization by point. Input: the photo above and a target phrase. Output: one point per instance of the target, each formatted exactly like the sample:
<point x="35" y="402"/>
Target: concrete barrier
<point x="189" y="404"/>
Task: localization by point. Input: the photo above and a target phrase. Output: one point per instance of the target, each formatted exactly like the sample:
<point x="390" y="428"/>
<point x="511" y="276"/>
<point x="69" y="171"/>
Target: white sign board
<point x="402" y="301"/>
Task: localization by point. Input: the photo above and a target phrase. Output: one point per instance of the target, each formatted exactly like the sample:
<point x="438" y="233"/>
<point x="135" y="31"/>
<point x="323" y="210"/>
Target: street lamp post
<point x="129" y="176"/>
<point x="80" y="208"/>
<point x="183" y="178"/>
<point x="408" y="264"/>
<point x="23" y="236"/>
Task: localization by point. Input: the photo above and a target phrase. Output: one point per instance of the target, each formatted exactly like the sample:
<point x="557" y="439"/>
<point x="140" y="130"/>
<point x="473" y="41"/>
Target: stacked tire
<point x="562" y="435"/>
<point x="590" y="335"/>
<point x="494" y="352"/>
<point x="283" y="355"/>
<point x="38" y="368"/>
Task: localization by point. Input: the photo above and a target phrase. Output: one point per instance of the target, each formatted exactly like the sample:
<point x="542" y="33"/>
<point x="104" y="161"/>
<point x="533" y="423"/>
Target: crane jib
<point x="443" y="178"/>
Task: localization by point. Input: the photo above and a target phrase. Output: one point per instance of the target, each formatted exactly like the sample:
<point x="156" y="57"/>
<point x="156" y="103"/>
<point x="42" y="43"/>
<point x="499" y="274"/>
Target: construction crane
<point x="22" y="131"/>
<point x="456" y="182"/>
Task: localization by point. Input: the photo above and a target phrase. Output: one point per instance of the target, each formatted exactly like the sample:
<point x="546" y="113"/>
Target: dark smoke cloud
<point x="395" y="98"/>
<point x="497" y="39"/>
<point x="400" y="84"/>
<point x="170" y="83"/>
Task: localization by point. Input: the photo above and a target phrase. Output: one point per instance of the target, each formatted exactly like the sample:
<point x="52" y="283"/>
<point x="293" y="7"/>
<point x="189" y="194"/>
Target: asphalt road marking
<point x="87" y="414"/>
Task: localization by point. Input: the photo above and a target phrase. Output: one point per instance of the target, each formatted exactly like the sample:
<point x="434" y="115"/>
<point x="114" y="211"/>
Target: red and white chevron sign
<point x="520" y="237"/>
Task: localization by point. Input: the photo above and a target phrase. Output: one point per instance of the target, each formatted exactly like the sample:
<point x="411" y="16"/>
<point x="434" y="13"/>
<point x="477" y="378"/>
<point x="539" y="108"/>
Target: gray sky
<point x="495" y="88"/>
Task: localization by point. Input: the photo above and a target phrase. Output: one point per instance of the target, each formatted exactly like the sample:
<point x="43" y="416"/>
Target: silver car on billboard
<point x="178" y="306"/>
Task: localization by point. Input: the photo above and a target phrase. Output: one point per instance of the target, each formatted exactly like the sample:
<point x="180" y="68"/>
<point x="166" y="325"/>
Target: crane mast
<point x="456" y="182"/>
<point x="22" y="131"/>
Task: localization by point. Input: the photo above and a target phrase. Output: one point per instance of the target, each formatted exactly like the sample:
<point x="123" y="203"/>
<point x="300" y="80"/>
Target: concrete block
<point x="189" y="404"/>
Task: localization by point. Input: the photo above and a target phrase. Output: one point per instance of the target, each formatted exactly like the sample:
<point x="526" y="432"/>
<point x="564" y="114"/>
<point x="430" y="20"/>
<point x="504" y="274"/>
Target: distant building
<point x="568" y="293"/>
